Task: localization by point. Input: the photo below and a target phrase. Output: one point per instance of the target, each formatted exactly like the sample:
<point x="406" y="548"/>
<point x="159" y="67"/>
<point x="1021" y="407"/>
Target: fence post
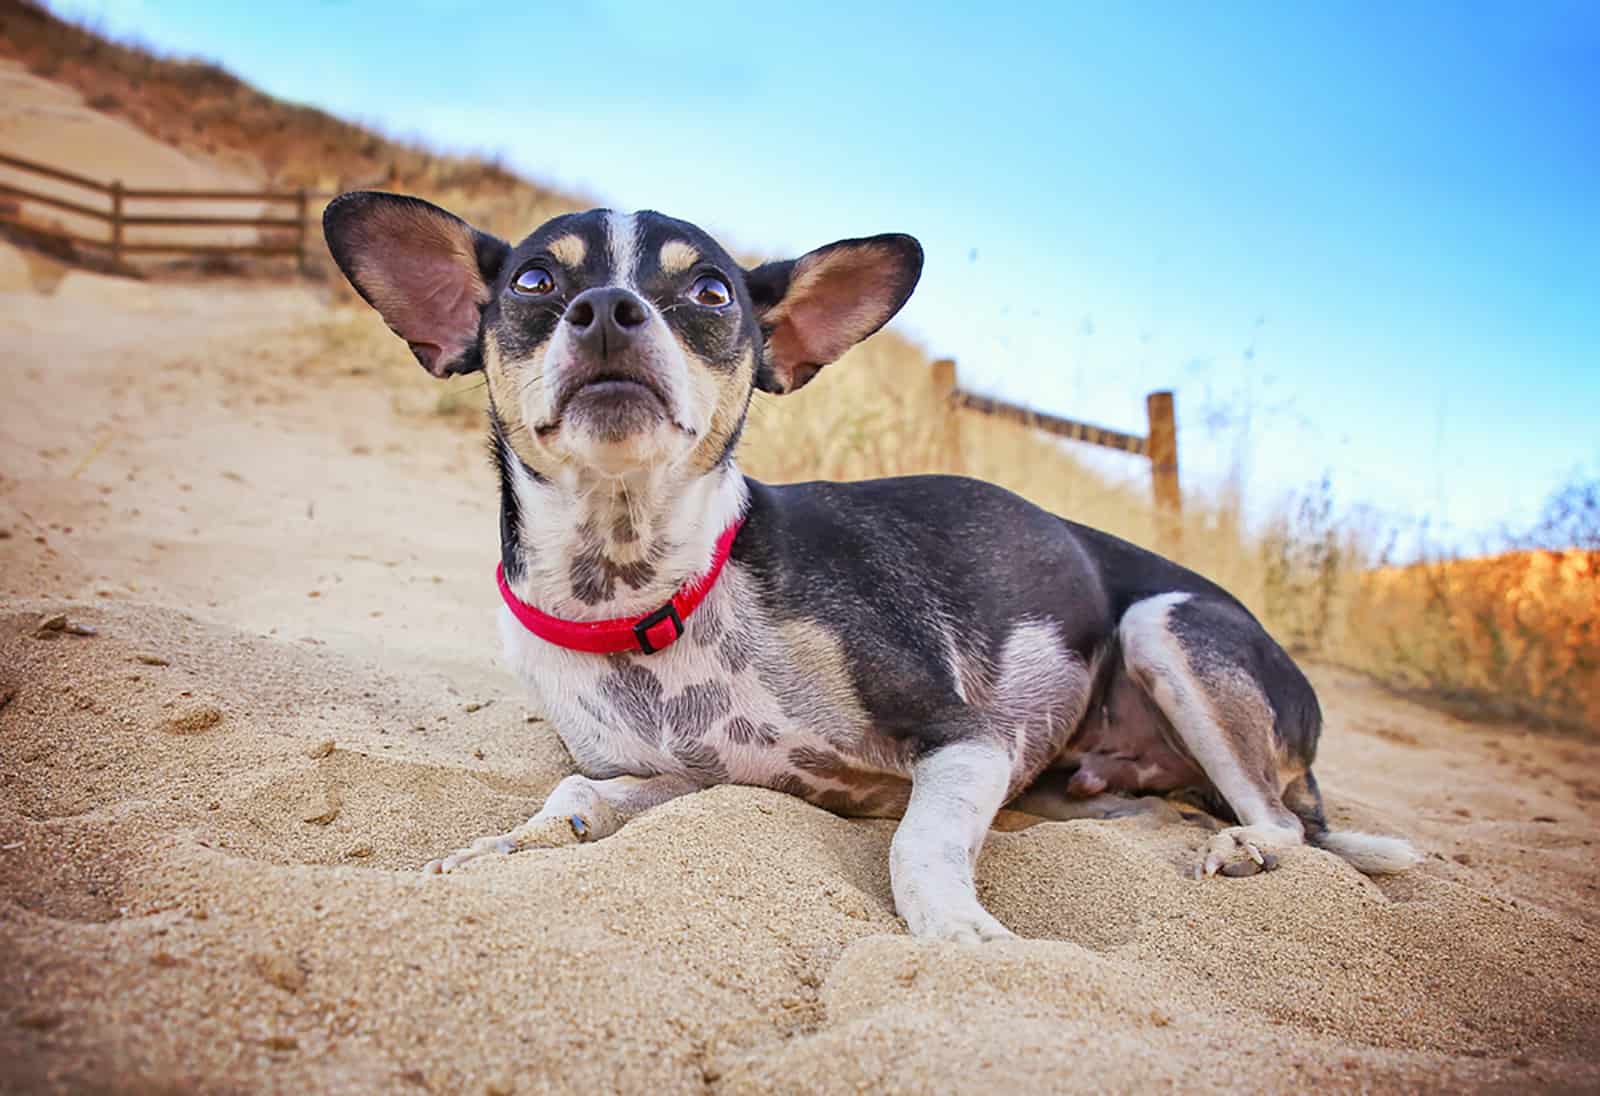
<point x="944" y="393"/>
<point x="300" y="250"/>
<point x="1163" y="453"/>
<point x="116" y="222"/>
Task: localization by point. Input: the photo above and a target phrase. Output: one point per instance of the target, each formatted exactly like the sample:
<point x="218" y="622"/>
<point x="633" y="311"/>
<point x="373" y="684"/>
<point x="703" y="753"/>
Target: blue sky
<point x="1355" y="238"/>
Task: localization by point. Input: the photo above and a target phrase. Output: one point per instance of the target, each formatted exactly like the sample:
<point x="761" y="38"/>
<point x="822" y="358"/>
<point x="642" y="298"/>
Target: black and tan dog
<point x="929" y="647"/>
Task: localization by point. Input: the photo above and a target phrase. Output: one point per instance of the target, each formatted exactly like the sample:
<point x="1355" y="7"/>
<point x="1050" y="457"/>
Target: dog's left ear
<point x="425" y="270"/>
<point x="814" y="308"/>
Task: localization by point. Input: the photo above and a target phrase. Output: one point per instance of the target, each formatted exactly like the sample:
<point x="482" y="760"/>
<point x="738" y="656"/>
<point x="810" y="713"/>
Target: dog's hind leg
<point x="577" y="809"/>
<point x="1202" y="661"/>
<point x="955" y="792"/>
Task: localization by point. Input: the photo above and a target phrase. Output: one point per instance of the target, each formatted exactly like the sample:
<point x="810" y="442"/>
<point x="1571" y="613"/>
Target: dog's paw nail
<point x="1238" y="869"/>
<point x="1255" y="853"/>
<point x="579" y="826"/>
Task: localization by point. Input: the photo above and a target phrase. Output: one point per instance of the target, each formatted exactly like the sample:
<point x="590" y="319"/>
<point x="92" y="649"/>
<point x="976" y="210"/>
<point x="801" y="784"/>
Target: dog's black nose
<point x="606" y="320"/>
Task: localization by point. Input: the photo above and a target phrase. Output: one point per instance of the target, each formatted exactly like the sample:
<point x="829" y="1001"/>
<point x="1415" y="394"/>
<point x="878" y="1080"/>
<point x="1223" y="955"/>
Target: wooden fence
<point x="1159" y="445"/>
<point x="118" y="218"/>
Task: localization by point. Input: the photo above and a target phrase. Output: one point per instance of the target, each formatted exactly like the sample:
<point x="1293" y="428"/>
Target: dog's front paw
<point x="542" y="831"/>
<point x="967" y="926"/>
<point x="1236" y="852"/>
<point x="493" y="845"/>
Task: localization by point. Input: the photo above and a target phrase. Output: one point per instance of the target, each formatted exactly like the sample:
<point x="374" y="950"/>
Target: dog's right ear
<point x="426" y="271"/>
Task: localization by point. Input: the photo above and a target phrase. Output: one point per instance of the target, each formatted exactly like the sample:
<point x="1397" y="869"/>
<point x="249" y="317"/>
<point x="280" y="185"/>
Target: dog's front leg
<point x="955" y="792"/>
<point x="578" y="809"/>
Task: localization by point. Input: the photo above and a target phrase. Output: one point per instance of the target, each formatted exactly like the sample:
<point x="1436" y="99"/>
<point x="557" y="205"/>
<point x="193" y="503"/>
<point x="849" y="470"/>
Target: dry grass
<point x="1516" y="634"/>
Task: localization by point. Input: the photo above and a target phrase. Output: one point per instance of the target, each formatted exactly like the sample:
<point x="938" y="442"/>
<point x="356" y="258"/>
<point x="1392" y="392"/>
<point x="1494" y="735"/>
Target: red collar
<point x="648" y="633"/>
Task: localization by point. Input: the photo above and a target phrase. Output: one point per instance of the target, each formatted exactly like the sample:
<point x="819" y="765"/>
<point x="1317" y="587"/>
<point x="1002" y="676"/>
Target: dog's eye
<point x="711" y="291"/>
<point x="535" y="281"/>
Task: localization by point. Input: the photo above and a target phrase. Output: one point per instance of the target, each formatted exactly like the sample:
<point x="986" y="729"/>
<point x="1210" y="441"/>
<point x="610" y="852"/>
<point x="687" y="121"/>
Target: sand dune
<point x="215" y="805"/>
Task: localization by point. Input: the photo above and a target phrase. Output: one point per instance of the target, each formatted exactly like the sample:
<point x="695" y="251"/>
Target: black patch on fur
<point x="735" y="656"/>
<point x="622" y="530"/>
<point x="817" y="762"/>
<point x="595" y="575"/>
<point x="701" y="761"/>
<point x="705" y="626"/>
<point x="635" y="693"/>
<point x="696" y="710"/>
<point x="746" y="732"/>
<point x="792" y="785"/>
<point x="838" y="802"/>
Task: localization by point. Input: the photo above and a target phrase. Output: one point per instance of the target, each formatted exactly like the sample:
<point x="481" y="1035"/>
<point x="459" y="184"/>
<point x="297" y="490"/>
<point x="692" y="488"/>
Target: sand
<point x="213" y="808"/>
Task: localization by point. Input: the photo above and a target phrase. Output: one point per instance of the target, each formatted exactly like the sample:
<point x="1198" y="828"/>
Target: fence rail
<point x="114" y="214"/>
<point x="1159" y="445"/>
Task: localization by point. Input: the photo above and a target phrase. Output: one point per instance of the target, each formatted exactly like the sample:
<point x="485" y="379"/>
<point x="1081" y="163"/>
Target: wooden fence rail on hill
<point x="118" y="219"/>
<point x="1159" y="445"/>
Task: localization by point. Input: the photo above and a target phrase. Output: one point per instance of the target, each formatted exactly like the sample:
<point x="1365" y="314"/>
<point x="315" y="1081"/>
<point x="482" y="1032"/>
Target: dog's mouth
<point x="615" y="402"/>
<point x="617" y="386"/>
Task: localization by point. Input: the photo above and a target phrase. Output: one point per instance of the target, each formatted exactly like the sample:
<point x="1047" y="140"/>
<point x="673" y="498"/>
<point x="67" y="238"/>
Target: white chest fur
<point x="736" y="699"/>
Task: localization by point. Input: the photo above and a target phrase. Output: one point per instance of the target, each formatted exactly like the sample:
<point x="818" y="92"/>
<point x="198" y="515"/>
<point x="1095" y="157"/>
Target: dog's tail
<point x="1368" y="853"/>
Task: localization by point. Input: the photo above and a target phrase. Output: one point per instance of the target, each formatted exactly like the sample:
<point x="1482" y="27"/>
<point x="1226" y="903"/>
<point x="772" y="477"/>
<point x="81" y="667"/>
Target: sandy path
<point x="279" y="548"/>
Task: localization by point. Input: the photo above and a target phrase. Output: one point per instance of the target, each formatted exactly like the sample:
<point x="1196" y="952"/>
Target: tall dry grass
<point x="1510" y="635"/>
<point x="1515" y="634"/>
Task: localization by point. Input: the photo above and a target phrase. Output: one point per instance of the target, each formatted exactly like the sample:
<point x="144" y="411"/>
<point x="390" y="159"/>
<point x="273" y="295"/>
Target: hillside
<point x="201" y="109"/>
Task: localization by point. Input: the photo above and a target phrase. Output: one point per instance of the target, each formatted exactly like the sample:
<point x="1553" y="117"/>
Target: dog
<point x="928" y="648"/>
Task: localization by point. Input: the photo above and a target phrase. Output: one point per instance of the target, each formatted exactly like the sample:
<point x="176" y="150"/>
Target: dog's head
<point x="613" y="342"/>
